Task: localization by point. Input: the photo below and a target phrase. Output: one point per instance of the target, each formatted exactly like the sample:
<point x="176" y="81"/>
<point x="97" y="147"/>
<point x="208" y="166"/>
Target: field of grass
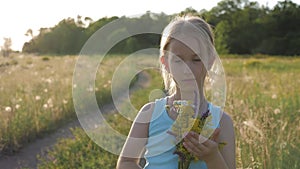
<point x="36" y="96"/>
<point x="82" y="152"/>
<point x="263" y="99"/>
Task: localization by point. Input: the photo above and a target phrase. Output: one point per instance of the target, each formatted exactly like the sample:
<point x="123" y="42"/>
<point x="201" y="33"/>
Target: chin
<point x="188" y="89"/>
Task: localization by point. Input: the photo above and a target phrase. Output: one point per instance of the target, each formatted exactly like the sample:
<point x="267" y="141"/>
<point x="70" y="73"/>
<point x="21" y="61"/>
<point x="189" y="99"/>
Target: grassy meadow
<point x="36" y="96"/>
<point x="263" y="99"/>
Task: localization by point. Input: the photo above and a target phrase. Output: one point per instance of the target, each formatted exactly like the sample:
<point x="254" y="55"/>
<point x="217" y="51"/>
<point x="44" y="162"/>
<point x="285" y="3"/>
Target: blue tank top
<point x="160" y="145"/>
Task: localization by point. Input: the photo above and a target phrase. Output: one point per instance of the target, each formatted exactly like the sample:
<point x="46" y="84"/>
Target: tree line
<point x="240" y="27"/>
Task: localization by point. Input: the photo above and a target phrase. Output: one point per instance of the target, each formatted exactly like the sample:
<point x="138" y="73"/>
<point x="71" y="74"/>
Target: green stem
<point x="183" y="165"/>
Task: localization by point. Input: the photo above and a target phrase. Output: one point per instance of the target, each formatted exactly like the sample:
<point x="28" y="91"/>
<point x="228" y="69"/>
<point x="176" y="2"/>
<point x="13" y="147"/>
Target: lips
<point x="189" y="80"/>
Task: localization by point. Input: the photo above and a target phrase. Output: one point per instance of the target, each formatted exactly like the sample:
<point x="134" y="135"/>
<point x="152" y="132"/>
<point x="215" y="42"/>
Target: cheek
<point x="181" y="69"/>
<point x="199" y="71"/>
<point x="175" y="71"/>
<point x="202" y="73"/>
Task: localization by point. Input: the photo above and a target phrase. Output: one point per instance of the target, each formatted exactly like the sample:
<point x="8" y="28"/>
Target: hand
<point x="201" y="147"/>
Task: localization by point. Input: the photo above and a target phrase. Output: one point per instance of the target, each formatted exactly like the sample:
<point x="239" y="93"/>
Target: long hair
<point x="190" y="27"/>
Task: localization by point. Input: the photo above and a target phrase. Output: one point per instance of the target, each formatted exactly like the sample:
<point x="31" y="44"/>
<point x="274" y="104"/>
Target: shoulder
<point x="145" y="113"/>
<point x="226" y="120"/>
<point x="140" y="125"/>
<point x="226" y="126"/>
<point x="147" y="108"/>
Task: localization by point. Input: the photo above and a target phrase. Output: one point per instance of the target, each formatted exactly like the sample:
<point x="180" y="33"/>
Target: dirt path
<point x="26" y="157"/>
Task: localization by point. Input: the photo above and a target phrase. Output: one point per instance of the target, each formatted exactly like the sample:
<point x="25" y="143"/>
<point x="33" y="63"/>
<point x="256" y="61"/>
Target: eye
<point x="177" y="60"/>
<point x="196" y="60"/>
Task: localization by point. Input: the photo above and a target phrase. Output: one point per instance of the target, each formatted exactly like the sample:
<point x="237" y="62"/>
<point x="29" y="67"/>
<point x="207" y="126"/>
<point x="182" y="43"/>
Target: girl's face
<point x="185" y="66"/>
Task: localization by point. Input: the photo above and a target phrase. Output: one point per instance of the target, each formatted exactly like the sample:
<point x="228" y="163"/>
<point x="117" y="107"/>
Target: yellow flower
<point x="187" y="120"/>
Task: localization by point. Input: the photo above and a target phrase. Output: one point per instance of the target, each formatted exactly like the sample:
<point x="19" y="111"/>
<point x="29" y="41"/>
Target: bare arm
<point x="136" y="140"/>
<point x="227" y="135"/>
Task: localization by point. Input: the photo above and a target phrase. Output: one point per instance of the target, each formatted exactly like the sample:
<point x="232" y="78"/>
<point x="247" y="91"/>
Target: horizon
<point x="51" y="14"/>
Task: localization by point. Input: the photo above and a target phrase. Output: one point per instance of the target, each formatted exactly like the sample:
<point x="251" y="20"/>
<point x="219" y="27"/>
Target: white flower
<point x="65" y="101"/>
<point x="277" y="111"/>
<point x="274" y="96"/>
<point x="45" y="90"/>
<point x="8" y="109"/>
<point x="50" y="102"/>
<point x="180" y="102"/>
<point x="17" y="106"/>
<point x="37" y="97"/>
<point x="48" y="80"/>
<point x="45" y="106"/>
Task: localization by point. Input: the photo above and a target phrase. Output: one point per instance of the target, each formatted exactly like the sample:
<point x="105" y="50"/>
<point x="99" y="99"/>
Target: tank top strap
<point x="159" y="108"/>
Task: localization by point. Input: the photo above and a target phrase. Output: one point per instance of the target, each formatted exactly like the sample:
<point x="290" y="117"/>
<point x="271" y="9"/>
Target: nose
<point x="187" y="68"/>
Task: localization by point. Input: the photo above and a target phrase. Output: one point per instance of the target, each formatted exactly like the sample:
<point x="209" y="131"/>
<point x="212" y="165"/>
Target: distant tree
<point x="79" y="21"/>
<point x="6" y="48"/>
<point x="222" y="37"/>
<point x="94" y="26"/>
<point x="29" y="32"/>
<point x="283" y="33"/>
<point x="67" y="37"/>
<point x="189" y="11"/>
<point x="89" y="20"/>
<point x="240" y="27"/>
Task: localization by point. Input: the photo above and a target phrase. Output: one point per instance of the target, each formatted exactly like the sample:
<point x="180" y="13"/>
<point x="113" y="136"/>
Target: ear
<point x="164" y="61"/>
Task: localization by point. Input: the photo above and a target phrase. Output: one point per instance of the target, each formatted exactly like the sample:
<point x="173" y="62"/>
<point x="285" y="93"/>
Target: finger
<point x="202" y="139"/>
<point x="196" y="140"/>
<point x="201" y="147"/>
<point x="209" y="143"/>
<point x="192" y="137"/>
<point x="188" y="148"/>
<point x="192" y="148"/>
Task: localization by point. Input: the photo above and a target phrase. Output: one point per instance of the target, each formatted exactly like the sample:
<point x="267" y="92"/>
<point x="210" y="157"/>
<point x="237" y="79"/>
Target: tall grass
<point x="264" y="102"/>
<point x="85" y="149"/>
<point x="262" y="98"/>
<point x="36" y="96"/>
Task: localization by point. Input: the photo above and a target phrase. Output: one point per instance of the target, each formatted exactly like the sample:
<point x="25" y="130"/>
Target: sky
<point x="17" y="16"/>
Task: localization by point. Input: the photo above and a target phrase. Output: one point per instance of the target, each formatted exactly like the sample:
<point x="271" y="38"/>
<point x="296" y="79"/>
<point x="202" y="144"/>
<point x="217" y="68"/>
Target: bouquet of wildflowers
<point x="187" y="120"/>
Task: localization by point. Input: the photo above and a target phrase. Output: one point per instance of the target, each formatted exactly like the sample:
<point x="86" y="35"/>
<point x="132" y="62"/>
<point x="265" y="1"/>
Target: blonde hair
<point x="191" y="27"/>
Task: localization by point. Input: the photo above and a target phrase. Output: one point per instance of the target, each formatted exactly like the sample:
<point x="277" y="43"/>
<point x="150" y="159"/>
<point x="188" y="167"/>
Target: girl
<point x="187" y="52"/>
